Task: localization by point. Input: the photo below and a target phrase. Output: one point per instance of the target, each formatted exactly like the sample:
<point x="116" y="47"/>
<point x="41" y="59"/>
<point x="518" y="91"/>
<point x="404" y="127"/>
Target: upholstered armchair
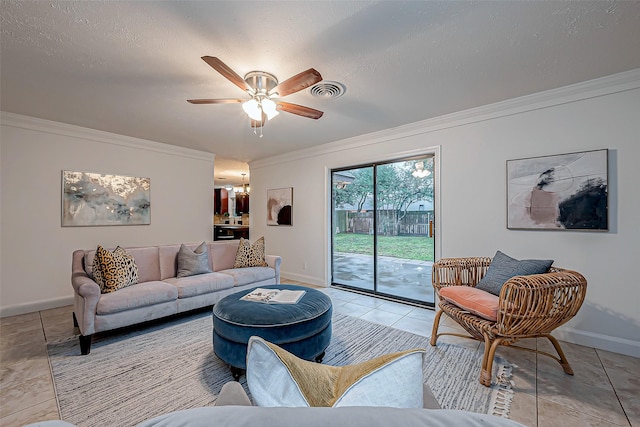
<point x="528" y="306"/>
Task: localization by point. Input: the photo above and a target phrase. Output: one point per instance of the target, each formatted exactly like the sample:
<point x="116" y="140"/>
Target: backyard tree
<point x="397" y="188"/>
<point x="357" y="192"/>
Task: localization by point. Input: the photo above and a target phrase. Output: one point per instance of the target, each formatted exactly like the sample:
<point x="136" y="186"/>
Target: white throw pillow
<point x="278" y="378"/>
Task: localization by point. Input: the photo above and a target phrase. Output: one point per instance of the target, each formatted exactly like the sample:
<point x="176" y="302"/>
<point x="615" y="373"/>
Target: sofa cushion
<point x="250" y="255"/>
<point x="244" y="276"/>
<point x="476" y="301"/>
<point x="200" y="284"/>
<point x="115" y="270"/>
<point x="140" y="295"/>
<point x="503" y="268"/>
<point x="278" y="378"/>
<point x="193" y="262"/>
<point x="169" y="259"/>
<point x="146" y="259"/>
<point x="148" y="262"/>
<point x="223" y="254"/>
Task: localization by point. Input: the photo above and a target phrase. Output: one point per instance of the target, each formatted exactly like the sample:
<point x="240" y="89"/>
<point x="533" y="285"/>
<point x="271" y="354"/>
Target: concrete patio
<point x="403" y="278"/>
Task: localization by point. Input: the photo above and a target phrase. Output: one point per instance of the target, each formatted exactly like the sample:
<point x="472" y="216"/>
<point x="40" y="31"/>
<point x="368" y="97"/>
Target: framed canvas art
<point x="280" y="206"/>
<point x="91" y="199"/>
<point x="559" y="192"/>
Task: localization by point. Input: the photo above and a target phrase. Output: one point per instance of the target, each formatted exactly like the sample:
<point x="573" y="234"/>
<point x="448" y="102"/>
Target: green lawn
<point x="405" y="247"/>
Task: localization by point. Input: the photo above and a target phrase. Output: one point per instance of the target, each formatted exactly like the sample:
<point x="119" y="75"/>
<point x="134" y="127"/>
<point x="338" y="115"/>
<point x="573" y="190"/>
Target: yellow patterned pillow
<point x="278" y="378"/>
<point x="250" y="255"/>
<point x="115" y="270"/>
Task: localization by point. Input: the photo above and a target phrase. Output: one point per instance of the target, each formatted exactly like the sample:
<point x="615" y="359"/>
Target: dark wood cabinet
<point x="220" y="201"/>
<point x="242" y="204"/>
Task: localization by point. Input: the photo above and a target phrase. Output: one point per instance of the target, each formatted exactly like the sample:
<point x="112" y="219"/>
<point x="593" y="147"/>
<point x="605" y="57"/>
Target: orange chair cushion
<point x="476" y="301"/>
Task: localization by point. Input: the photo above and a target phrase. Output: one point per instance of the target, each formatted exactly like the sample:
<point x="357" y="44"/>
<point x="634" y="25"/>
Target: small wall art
<point x="92" y="199"/>
<point x="280" y="206"/>
<point x="559" y="192"/>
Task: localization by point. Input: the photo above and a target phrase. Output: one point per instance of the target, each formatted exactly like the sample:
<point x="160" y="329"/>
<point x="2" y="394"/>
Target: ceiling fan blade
<point x="297" y="83"/>
<point x="299" y="110"/>
<point x="215" y="101"/>
<point x="227" y="72"/>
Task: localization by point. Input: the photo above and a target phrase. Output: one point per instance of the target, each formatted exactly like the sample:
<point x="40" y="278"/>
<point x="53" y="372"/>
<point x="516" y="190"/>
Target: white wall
<point x="36" y="250"/>
<point x="475" y="145"/>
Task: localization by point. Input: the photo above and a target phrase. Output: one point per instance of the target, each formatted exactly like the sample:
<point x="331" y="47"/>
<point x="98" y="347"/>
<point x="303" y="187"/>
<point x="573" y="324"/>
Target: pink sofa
<point x="159" y="293"/>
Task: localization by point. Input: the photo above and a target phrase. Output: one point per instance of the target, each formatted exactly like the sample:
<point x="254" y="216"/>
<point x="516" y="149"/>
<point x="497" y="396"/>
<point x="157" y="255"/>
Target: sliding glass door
<point x="382" y="228"/>
<point x="353" y="239"/>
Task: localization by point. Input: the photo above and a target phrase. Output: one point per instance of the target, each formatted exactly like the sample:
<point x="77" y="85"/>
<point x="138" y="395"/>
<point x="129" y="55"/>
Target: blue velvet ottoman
<point x="303" y="329"/>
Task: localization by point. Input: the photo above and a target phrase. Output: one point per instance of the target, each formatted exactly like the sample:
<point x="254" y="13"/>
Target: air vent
<point x="327" y="89"/>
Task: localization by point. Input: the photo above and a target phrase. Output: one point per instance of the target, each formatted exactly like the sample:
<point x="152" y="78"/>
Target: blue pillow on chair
<point x="503" y="268"/>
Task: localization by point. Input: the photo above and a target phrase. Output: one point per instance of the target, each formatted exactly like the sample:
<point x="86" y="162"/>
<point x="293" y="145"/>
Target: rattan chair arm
<point x="539" y="303"/>
<point x="459" y="271"/>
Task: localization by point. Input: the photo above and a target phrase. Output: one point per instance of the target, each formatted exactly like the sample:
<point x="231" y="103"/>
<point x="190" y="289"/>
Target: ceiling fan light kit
<point x="261" y="87"/>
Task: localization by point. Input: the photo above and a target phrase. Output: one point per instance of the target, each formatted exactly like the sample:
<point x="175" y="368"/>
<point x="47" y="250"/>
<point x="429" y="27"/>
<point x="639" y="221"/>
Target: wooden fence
<point x="389" y="223"/>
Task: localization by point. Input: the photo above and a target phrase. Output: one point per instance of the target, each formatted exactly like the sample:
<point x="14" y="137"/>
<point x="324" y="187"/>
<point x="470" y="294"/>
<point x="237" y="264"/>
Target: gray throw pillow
<point x="193" y="262"/>
<point x="503" y="268"/>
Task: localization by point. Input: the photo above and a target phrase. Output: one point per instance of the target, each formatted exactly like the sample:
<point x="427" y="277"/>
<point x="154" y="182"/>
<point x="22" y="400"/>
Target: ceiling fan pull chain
<point x="255" y="129"/>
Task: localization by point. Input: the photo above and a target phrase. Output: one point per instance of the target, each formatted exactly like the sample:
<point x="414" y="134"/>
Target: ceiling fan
<point x="262" y="87"/>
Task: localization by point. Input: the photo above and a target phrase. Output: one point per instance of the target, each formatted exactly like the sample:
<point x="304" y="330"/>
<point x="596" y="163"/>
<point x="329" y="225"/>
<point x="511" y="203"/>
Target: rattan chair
<point x="529" y="307"/>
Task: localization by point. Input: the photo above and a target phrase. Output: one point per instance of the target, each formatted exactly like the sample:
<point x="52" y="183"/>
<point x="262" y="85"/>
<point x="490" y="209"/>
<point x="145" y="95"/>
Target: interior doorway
<point x="382" y="228"/>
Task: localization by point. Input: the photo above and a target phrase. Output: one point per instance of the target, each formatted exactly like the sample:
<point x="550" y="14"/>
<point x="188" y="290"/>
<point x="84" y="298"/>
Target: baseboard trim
<point x="599" y="341"/>
<point x="30" y="307"/>
<point x="302" y="278"/>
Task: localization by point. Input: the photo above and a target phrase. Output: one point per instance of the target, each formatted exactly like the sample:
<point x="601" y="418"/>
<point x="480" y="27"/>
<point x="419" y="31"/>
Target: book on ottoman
<point x="274" y="296"/>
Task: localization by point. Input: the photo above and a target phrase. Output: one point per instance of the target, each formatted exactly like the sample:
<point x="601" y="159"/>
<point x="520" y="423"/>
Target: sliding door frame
<point x="396" y="157"/>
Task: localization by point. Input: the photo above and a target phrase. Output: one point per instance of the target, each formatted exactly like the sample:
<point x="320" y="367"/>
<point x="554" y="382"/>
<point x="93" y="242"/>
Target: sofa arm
<point x="87" y="294"/>
<point x="459" y="271"/>
<point x="82" y="284"/>
<point x="274" y="262"/>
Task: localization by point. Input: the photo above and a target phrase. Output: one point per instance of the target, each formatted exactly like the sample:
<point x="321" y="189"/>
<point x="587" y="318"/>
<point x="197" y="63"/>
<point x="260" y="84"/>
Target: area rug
<point x="139" y="374"/>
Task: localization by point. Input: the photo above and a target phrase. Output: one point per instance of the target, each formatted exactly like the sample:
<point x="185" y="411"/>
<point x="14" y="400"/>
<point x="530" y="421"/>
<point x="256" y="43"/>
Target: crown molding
<point x="608" y="85"/>
<point x="57" y="128"/>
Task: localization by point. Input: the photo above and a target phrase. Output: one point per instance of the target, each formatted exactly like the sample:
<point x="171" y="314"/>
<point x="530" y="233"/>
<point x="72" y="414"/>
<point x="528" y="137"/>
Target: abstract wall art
<point x="280" y="206"/>
<point x="559" y="192"/>
<point x="92" y="199"/>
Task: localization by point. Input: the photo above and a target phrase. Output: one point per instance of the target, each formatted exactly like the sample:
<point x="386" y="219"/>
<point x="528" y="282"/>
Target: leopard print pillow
<point x="115" y="270"/>
<point x="249" y="255"/>
<point x="96" y="272"/>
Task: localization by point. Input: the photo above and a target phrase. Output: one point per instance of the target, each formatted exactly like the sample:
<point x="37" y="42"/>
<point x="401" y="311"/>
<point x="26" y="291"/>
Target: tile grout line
<point x="613" y="387"/>
<point x="53" y="383"/>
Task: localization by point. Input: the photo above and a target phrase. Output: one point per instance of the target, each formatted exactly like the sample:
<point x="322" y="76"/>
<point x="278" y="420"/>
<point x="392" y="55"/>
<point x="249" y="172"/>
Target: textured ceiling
<point x="128" y="66"/>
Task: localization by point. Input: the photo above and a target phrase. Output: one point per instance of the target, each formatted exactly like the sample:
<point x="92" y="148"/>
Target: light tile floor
<point x="603" y="392"/>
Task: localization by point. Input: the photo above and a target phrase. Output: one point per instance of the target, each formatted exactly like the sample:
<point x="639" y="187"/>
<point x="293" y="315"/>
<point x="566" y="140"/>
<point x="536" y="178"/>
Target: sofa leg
<point x="75" y="320"/>
<point x="319" y="357"/>
<point x="85" y="344"/>
<point x="235" y="372"/>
